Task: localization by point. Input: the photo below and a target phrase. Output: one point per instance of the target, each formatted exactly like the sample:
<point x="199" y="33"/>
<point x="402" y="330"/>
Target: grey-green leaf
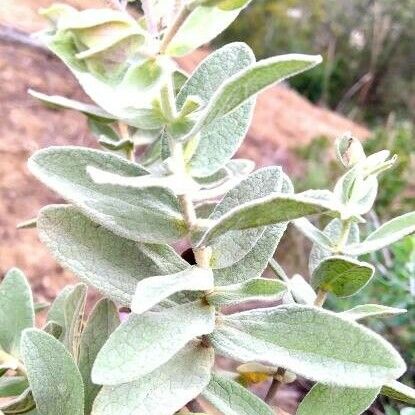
<point x="153" y="290"/>
<point x="325" y="399"/>
<point x="104" y="319"/>
<point x="163" y="391"/>
<point x="399" y="391"/>
<point x="148" y="215"/>
<point x="390" y="232"/>
<point x="342" y="276"/>
<point x="218" y="143"/>
<point x="57" y="310"/>
<point x="371" y="310"/>
<point x="16" y="310"/>
<point x="230" y="398"/>
<point x="272" y="209"/>
<point x="53" y="376"/>
<point x="261" y="289"/>
<point x="12" y="386"/>
<point x="249" y="82"/>
<point x="146" y="341"/>
<point x="322" y="353"/>
<point x="94" y="253"/>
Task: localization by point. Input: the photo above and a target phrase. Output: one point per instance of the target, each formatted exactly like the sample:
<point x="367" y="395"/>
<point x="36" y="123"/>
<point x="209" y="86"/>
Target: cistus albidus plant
<point x="165" y="174"/>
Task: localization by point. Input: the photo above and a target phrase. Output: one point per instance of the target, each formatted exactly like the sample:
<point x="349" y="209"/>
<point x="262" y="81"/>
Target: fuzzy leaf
<point x="399" y="391"/>
<point x="54" y="378"/>
<point x="104" y="319"/>
<point x="149" y="215"/>
<point x="163" y="391"/>
<point x="214" y="20"/>
<point x="153" y="290"/>
<point x="22" y="404"/>
<point x="332" y="231"/>
<point x="230" y="398"/>
<point x="16" y="310"/>
<point x="219" y="142"/>
<point x="390" y="232"/>
<point x="322" y="353"/>
<point x="272" y="209"/>
<point x="93" y="253"/>
<point x="12" y="386"/>
<point x="261" y="289"/>
<point x="301" y="290"/>
<point x="313" y="233"/>
<point x="146" y="341"/>
<point x="249" y="82"/>
<point x="325" y="399"/>
<point x="233" y="246"/>
<point x="371" y="310"/>
<point x="342" y="276"/>
<point x="56" y="312"/>
<point x="66" y="103"/>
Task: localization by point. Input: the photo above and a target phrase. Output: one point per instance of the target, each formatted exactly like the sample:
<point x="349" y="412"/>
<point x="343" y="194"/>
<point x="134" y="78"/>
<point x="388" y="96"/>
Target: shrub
<point x="126" y="213"/>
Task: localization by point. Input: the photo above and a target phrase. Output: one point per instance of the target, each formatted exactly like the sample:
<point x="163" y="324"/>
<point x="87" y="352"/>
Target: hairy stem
<point x="279" y="272"/>
<point x="321" y="298"/>
<point x="125" y="135"/>
<point x="174" y="28"/>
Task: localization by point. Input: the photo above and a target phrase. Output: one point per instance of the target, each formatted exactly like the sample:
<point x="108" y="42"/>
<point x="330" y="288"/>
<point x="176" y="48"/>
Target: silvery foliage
<point x="165" y="174"/>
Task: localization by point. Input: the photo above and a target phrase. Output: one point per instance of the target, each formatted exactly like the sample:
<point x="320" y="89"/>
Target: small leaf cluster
<point x="164" y="175"/>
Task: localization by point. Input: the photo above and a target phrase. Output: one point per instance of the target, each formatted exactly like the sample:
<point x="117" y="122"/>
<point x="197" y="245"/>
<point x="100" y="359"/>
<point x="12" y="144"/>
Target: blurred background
<point x="366" y="85"/>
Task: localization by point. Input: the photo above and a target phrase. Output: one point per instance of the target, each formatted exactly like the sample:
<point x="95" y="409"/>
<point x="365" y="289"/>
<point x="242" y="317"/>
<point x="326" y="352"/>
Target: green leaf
<point x="163" y="391"/>
<point x="213" y="20"/>
<point x="153" y="290"/>
<point x="230" y="398"/>
<point x="272" y="209"/>
<point x="39" y="307"/>
<point x="54" y="329"/>
<point x="66" y="103"/>
<point x="390" y="232"/>
<point x="332" y="231"/>
<point x="74" y="308"/>
<point x="12" y="386"/>
<point x="149" y="215"/>
<point x="93" y="253"/>
<point x="325" y="399"/>
<point x="342" y="276"/>
<point x="249" y="82"/>
<point x="19" y="405"/>
<point x="54" y="378"/>
<point x="371" y="310"/>
<point x="399" y="392"/>
<point x="57" y="310"/>
<point x="219" y="142"/>
<point x="322" y="353"/>
<point x="261" y="289"/>
<point x="146" y="341"/>
<point x="233" y="246"/>
<point x="16" y="310"/>
<point x="104" y="319"/>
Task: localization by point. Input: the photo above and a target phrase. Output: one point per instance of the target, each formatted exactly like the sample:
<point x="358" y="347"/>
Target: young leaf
<point x="322" y="353"/>
<point x="12" y="386"/>
<point x="62" y="102"/>
<point x="313" y="233"/>
<point x="399" y="391"/>
<point x="163" y="391"/>
<point x="325" y="399"/>
<point x="93" y="253"/>
<point x="230" y="398"/>
<point x="218" y="143"/>
<point x="342" y="276"/>
<point x="53" y="376"/>
<point x="16" y="310"/>
<point x="390" y="232"/>
<point x="57" y="310"/>
<point x="262" y="289"/>
<point x="233" y="246"/>
<point x="104" y="319"/>
<point x="371" y="310"/>
<point x="301" y="290"/>
<point x="212" y="19"/>
<point x="74" y="312"/>
<point x="153" y="290"/>
<point x="22" y="404"/>
<point x="332" y="231"/>
<point x="146" y="341"/>
<point x="272" y="209"/>
<point x="249" y="82"/>
<point x="148" y="215"/>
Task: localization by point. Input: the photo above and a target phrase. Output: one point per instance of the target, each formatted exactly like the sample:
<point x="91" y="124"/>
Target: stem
<point x="279" y="272"/>
<point x="125" y="135"/>
<point x="344" y="235"/>
<point x="174" y="28"/>
<point x="168" y="105"/>
<point x="321" y="298"/>
<point x="275" y="384"/>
